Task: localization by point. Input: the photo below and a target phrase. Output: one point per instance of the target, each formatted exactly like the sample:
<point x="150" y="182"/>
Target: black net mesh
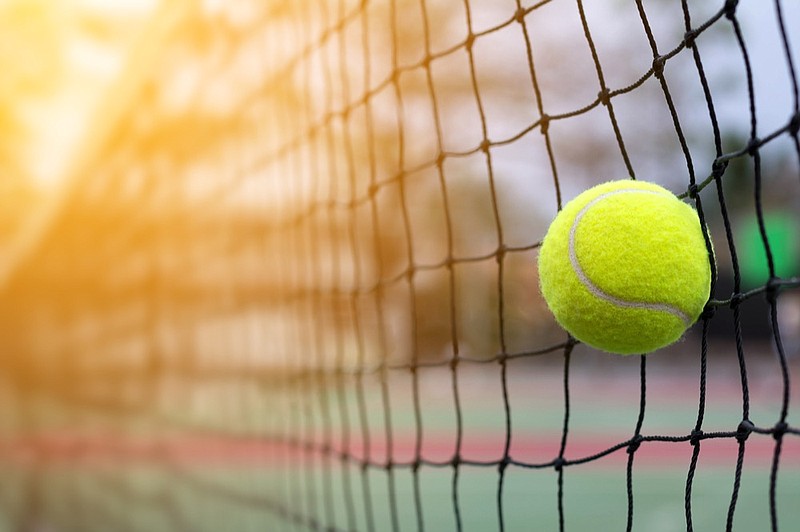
<point x="291" y="283"/>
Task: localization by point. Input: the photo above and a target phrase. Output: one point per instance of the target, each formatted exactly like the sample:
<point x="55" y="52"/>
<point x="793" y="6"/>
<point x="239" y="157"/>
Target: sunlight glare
<point x="58" y="58"/>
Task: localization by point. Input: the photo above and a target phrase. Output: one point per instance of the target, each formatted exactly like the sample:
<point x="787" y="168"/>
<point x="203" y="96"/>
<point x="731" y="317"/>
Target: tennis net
<point x="292" y="283"/>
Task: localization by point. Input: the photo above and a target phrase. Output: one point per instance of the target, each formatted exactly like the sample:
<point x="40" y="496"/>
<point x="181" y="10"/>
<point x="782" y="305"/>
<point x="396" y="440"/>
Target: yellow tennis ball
<point x="624" y="267"/>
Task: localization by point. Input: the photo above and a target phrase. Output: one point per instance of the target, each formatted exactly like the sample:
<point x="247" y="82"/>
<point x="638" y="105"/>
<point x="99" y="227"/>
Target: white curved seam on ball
<point x="597" y="291"/>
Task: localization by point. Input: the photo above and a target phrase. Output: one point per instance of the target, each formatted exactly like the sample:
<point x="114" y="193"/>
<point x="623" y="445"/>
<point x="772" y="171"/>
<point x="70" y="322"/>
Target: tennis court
<point x="281" y="271"/>
<point x="245" y="482"/>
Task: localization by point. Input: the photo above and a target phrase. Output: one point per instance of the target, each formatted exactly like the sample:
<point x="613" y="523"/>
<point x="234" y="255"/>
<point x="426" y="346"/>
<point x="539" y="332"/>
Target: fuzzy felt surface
<point x="624" y="267"/>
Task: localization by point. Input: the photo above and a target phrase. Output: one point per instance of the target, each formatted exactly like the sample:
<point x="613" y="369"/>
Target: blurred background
<point x="272" y="265"/>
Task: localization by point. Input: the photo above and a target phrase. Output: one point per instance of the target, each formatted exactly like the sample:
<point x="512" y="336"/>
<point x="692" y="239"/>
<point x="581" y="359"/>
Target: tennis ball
<point x="624" y="267"/>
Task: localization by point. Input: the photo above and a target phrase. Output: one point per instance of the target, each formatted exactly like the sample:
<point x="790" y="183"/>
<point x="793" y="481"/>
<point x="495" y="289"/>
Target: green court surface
<point x="245" y="482"/>
<point x="594" y="499"/>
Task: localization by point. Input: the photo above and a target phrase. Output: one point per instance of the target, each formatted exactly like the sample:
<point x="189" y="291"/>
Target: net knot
<point x="753" y="145"/>
<point x="772" y="289"/>
<point x="692" y="190"/>
<point x="688" y="39"/>
<point x="470" y="42"/>
<point x="571" y="342"/>
<point x="559" y="463"/>
<point x="696" y="437"/>
<point x="708" y="312"/>
<point x="544" y="124"/>
<point x="453" y="364"/>
<point x="744" y="429"/>
<point x="718" y="168"/>
<point x="485" y="145"/>
<point x="519" y="15"/>
<point x="503" y="464"/>
<point x="779" y="430"/>
<point x="388" y="466"/>
<point x="658" y="67"/>
<point x="794" y="124"/>
<point x="635" y="443"/>
<point x="604" y="96"/>
<point x="415" y="465"/>
<point x="440" y="159"/>
<point x="455" y="461"/>
<point x="736" y="300"/>
<point x="730" y="8"/>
